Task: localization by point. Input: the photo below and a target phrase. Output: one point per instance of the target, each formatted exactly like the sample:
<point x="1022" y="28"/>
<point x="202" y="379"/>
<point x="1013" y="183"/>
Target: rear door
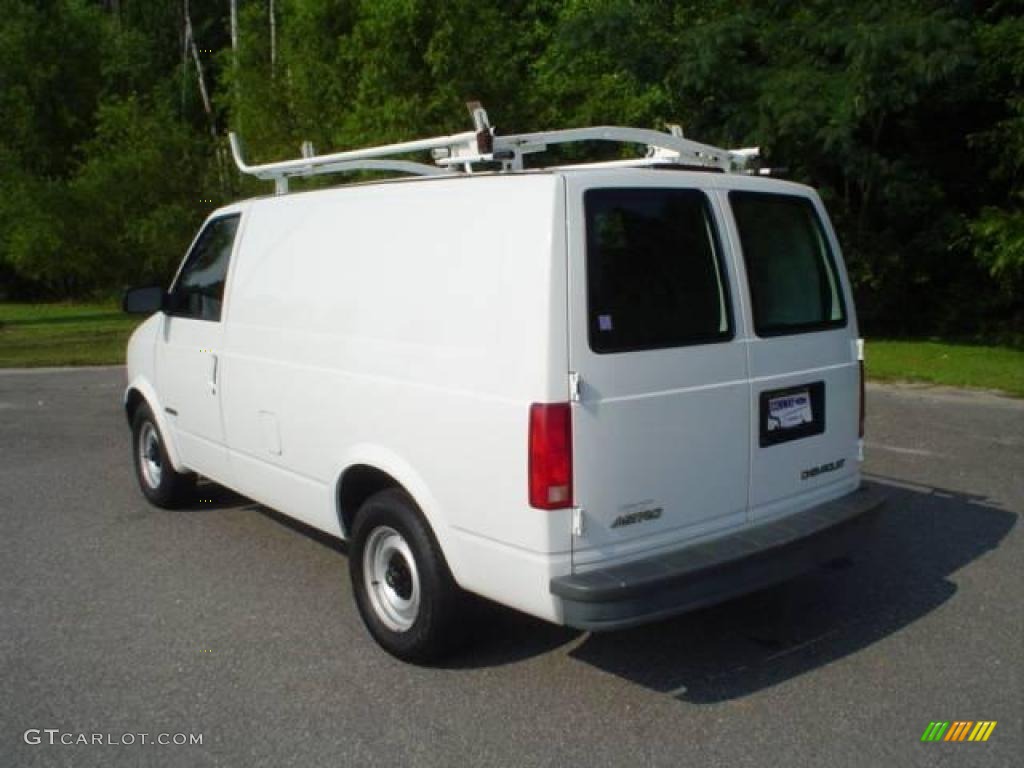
<point x="662" y="421"/>
<point x="805" y="374"/>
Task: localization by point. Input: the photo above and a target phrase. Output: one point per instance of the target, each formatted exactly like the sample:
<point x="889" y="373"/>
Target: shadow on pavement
<point x="211" y="496"/>
<point x="924" y="535"/>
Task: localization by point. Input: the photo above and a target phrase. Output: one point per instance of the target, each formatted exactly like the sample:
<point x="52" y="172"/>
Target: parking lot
<point x="229" y="621"/>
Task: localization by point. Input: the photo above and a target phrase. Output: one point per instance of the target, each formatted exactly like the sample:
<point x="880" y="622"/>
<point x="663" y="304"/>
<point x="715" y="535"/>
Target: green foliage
<point x="138" y="192"/>
<point x="997" y="230"/>
<point x="906" y="116"/>
<point x="50" y="62"/>
<point x="999" y="245"/>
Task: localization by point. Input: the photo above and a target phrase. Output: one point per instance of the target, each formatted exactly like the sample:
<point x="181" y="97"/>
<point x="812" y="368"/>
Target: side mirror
<point x="144" y="301"/>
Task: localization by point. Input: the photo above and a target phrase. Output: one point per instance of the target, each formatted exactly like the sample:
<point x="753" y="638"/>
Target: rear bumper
<point x="713" y="571"/>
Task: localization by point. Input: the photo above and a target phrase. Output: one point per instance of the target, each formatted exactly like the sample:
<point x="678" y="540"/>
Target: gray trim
<point x="713" y="571"/>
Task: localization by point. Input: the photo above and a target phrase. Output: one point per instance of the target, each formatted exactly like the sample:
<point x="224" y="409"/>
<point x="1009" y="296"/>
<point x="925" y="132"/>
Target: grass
<point x="34" y="335"/>
<point x="953" y="365"/>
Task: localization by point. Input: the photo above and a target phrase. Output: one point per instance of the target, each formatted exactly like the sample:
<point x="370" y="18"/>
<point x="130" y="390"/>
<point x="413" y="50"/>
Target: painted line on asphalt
<point x="901" y="449"/>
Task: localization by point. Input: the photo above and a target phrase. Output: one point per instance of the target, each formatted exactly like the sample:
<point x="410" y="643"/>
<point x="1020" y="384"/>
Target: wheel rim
<point x="392" y="581"/>
<point x="150" y="459"/>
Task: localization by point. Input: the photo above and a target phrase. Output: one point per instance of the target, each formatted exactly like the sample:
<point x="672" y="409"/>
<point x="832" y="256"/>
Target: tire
<point x="403" y="588"/>
<point x="159" y="481"/>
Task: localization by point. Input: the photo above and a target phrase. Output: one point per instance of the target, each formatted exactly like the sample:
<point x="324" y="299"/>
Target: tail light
<point x="550" y="459"/>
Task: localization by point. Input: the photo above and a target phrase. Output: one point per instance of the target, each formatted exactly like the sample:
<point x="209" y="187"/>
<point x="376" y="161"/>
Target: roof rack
<point x="458" y="153"/>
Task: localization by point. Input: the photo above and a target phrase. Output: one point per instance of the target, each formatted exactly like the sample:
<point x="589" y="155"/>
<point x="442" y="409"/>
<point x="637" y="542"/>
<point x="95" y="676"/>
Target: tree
<point x="906" y="116"/>
<point x="997" y="232"/>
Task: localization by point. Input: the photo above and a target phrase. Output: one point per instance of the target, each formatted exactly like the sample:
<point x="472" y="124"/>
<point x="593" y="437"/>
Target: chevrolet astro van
<point x="600" y="394"/>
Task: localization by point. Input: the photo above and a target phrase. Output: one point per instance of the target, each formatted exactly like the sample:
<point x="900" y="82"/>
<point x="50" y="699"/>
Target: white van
<point x="600" y="395"/>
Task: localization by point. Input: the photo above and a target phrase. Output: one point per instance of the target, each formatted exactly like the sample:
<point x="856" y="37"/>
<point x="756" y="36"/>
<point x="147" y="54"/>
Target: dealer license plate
<point x="789" y="411"/>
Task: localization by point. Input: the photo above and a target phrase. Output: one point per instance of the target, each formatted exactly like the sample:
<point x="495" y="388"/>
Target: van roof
<point x="706" y="178"/>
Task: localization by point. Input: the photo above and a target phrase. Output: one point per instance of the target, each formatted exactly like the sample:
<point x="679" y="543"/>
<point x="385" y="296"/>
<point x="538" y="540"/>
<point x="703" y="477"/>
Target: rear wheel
<point x="403" y="588"/>
<point x="159" y="481"/>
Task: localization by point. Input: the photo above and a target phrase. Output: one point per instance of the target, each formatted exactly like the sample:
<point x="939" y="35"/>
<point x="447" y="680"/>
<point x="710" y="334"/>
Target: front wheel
<point x="404" y="591"/>
<point x="159" y="481"/>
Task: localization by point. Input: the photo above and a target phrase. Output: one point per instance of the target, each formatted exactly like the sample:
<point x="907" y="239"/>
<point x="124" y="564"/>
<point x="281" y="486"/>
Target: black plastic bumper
<point x="713" y="571"/>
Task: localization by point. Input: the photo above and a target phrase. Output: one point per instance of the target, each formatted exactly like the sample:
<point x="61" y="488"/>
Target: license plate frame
<point x="792" y="413"/>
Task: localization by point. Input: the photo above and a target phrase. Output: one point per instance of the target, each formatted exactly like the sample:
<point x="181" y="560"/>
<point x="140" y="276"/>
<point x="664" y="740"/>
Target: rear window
<point x="654" y="273"/>
<point x="794" y="286"/>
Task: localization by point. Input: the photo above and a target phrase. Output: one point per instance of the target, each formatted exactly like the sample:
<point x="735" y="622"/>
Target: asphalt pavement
<point x="228" y="622"/>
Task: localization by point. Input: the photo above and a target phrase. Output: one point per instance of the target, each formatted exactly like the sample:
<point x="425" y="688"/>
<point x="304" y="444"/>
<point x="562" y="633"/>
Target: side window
<point x="199" y="289"/>
<point x="654" y="273"/>
<point x="794" y="287"/>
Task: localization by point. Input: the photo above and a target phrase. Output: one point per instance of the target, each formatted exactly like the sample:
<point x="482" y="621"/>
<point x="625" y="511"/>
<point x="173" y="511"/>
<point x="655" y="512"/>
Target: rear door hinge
<point x="575" y="387"/>
<point x="577" y="521"/>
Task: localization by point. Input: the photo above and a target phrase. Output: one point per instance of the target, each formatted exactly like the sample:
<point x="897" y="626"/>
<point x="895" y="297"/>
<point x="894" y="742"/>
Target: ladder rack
<point x="458" y="153"/>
